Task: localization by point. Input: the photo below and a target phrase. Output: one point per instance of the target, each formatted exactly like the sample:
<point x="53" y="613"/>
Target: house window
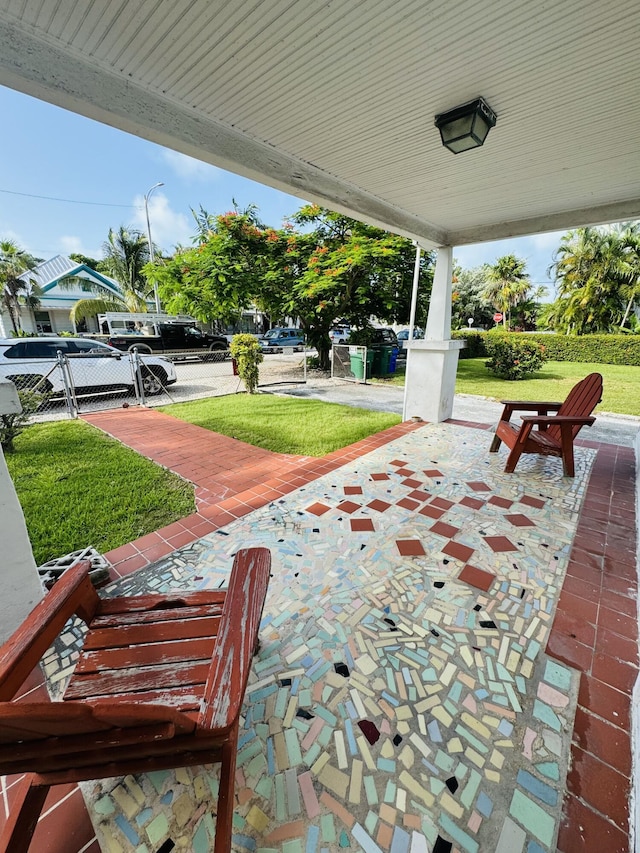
<point x="43" y="321"/>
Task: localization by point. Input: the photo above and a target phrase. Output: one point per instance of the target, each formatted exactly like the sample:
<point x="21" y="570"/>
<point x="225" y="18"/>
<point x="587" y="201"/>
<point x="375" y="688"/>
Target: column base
<point x="430" y="379"/>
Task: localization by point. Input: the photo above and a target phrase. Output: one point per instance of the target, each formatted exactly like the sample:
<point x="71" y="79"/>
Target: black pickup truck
<point x="168" y="338"/>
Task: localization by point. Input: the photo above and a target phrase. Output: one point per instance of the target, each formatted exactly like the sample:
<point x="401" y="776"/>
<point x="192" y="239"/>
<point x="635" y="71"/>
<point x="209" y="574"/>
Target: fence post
<point x="136" y="363"/>
<point x="69" y="390"/>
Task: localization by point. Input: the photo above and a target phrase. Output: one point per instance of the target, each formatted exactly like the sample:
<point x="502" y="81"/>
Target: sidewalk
<point x="609" y="428"/>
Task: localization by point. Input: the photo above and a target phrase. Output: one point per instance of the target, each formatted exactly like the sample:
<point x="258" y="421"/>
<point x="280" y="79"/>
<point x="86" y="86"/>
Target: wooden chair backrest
<point x="580" y="402"/>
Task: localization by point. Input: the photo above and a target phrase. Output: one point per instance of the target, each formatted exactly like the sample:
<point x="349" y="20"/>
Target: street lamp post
<point x="156" y="295"/>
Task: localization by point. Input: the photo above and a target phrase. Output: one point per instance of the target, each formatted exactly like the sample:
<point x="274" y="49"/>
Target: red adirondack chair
<point x="549" y="435"/>
<point x="159" y="685"/>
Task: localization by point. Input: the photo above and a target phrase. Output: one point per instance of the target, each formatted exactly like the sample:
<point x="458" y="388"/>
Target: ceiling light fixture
<point x="466" y="126"/>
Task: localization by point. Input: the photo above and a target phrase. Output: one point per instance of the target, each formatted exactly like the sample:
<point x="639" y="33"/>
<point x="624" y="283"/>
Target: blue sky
<point x="47" y="151"/>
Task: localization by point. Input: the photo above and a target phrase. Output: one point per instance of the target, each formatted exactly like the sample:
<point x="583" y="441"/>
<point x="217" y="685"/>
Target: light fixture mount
<point x="466" y="126"/>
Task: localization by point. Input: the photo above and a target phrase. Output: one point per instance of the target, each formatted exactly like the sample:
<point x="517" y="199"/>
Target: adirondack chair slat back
<point x="580" y="402"/>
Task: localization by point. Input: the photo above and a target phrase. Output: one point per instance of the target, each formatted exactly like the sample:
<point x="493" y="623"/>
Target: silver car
<point x="94" y="366"/>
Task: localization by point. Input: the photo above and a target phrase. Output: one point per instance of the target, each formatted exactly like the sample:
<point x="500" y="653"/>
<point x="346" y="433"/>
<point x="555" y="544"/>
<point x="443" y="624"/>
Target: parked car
<point x="148" y="334"/>
<point x="94" y="366"/>
<point x="339" y="334"/>
<point x="277" y="339"/>
<point x="403" y="334"/>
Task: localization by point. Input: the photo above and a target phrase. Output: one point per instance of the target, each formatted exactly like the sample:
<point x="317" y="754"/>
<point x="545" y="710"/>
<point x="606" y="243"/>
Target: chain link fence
<point x="72" y="384"/>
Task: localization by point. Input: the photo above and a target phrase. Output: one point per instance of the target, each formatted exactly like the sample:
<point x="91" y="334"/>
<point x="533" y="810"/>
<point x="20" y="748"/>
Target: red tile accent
<point x="410" y="547"/>
<point x="504" y="503"/>
<point x="433" y="472"/>
<point x="431" y="511"/>
<point x="411" y="483"/>
<point x="348" y="506"/>
<point x="476" y="577"/>
<point x="318" y="508"/>
<point x="399" y="462"/>
<point x="531" y="501"/>
<point x="473" y="503"/>
<point x="419" y="495"/>
<point x="407" y="503"/>
<point x="361" y="525"/>
<point x="520" y="520"/>
<point x="442" y="503"/>
<point x="406" y="472"/>
<point x="444" y="529"/>
<point x="353" y="490"/>
<point x="479" y="486"/>
<point x="500" y="543"/>
<point x="379" y="476"/>
<point x="615" y="672"/>
<point x="380" y="506"/>
<point x="458" y="551"/>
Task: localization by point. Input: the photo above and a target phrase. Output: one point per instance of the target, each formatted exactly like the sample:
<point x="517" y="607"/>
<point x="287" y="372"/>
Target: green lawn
<point x="283" y="424"/>
<point x="553" y="382"/>
<point x="79" y="487"/>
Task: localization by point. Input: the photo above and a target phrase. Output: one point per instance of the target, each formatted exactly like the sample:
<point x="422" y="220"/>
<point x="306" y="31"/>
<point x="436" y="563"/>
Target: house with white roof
<point x="62" y="282"/>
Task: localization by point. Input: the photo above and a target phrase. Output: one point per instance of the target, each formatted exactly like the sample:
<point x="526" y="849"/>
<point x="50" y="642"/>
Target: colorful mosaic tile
<point x="399" y="702"/>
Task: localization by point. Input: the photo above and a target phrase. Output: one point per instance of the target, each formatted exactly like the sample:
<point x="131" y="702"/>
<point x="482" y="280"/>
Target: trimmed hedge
<point x="597" y="349"/>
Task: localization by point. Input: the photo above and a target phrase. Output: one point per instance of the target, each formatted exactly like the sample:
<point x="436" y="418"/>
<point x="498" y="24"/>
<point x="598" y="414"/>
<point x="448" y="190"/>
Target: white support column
<point x="21" y="588"/>
<point x="432" y="363"/>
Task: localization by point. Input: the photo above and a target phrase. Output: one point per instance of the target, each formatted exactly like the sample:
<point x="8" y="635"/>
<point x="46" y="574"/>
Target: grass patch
<point x="79" y="487"/>
<point x="284" y="424"/>
<point x="553" y="382"/>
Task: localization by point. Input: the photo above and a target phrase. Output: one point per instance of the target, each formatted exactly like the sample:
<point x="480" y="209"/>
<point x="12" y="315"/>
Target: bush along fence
<point x="597" y="349"/>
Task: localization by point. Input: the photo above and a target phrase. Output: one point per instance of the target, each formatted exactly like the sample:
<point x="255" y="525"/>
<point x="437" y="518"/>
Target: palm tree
<point x="507" y="285"/>
<point x="126" y="252"/>
<point x="14" y="261"/>
<point x="597" y="275"/>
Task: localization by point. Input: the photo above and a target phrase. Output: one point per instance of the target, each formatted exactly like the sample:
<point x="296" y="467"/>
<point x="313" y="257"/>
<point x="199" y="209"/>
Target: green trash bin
<point x="378" y="367"/>
<point x="369" y="362"/>
<point x="356" y="364"/>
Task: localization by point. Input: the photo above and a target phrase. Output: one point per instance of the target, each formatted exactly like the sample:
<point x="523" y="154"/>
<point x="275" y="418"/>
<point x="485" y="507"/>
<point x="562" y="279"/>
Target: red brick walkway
<point x="231" y="478"/>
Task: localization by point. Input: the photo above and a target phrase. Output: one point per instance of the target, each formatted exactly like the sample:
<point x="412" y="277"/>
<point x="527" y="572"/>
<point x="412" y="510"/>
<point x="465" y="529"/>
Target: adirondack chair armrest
<point x="511" y="406"/>
<point x="559" y="420"/>
<point x="72" y="594"/>
<point x="233" y="653"/>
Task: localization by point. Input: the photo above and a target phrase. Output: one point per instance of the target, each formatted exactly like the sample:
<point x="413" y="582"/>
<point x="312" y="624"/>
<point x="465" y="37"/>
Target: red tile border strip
<point x="596" y="631"/>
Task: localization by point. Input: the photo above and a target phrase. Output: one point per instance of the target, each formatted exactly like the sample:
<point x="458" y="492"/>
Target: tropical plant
<point x="597" y="274"/>
<point x="126" y="254"/>
<point x="247" y="353"/>
<point x="14" y="262"/>
<point x="468" y="300"/>
<point x="507" y="285"/>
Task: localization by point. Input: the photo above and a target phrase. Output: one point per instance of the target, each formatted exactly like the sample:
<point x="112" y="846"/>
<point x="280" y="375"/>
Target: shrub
<point x="12" y="425"/>
<point x="514" y="357"/>
<point x="596" y="349"/>
<point x="247" y="353"/>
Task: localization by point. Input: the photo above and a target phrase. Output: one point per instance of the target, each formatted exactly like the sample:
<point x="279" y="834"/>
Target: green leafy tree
<point x="507" y="285"/>
<point x="14" y="262"/>
<point x="468" y="299"/>
<point x="331" y="267"/>
<point x="247" y="353"/>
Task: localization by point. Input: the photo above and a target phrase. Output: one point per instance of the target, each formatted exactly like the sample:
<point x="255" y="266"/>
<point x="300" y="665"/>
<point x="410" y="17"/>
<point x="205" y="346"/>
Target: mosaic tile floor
<point x="401" y="700"/>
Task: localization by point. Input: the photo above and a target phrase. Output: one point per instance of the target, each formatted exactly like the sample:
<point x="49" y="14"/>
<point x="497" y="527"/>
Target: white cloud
<point x="168" y="227"/>
<point x="188" y="168"/>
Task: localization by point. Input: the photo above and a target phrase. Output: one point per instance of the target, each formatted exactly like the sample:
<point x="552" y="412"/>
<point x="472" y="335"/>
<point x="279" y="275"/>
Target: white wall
<point x="21" y="588"/>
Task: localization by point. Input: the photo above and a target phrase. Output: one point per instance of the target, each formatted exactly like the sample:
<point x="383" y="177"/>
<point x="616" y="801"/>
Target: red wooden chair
<point x="549" y="435"/>
<point x="159" y="685"/>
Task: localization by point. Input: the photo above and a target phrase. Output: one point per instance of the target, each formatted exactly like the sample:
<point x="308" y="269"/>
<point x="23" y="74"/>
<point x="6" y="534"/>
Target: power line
<point x="70" y="200"/>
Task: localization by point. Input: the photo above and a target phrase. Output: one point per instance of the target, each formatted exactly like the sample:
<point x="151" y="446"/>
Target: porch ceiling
<point x="334" y="100"/>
